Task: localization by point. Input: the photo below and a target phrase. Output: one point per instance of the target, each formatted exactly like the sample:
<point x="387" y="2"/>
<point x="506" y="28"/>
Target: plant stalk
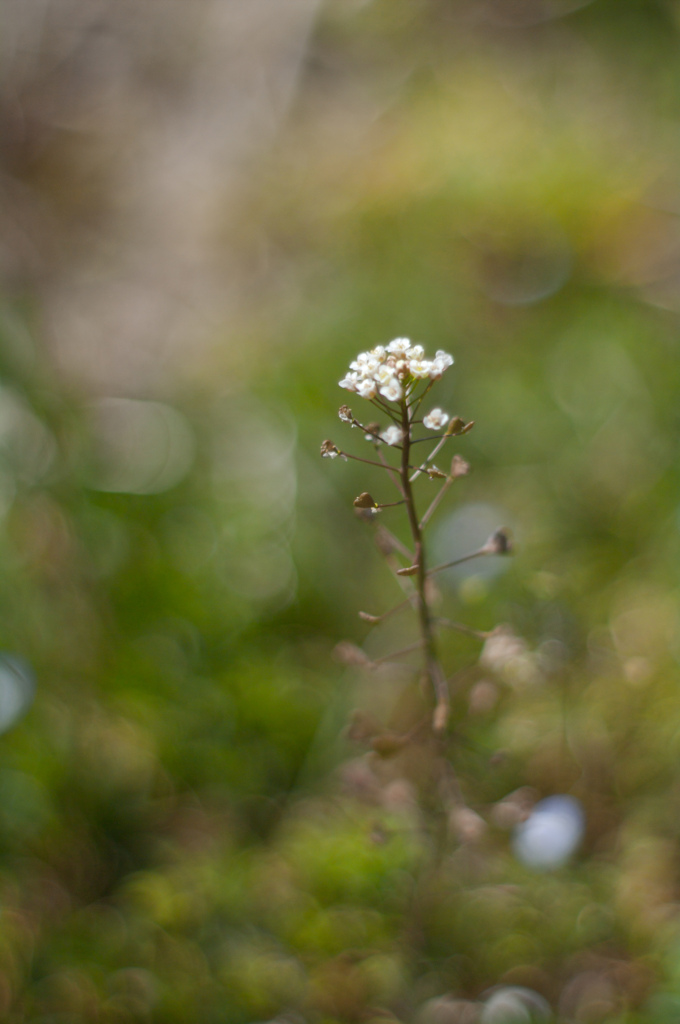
<point x="433" y="668"/>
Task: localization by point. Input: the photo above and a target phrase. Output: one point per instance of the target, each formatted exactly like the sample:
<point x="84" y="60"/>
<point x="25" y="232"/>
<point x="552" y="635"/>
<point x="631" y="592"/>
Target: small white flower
<point x="384" y="374"/>
<point x="436" y="420"/>
<point x="367" y="388"/>
<point x="350" y="381"/>
<point x="392" y="435"/>
<point x="392" y="391"/>
<point x="416" y="352"/>
<point x="379" y="352"/>
<point x="358" y="366"/>
<point x="420" y="367"/>
<point x="370" y="367"/>
<point x="441" y="362"/>
<point x="399" y="346"/>
<point x="364" y="364"/>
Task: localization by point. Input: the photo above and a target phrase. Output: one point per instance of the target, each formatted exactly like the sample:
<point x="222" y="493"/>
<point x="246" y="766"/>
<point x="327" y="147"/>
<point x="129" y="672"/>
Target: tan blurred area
<point x="129" y="129"/>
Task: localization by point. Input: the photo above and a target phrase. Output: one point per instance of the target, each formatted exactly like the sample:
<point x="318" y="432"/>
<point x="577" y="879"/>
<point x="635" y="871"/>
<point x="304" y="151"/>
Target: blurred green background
<point x="208" y="209"/>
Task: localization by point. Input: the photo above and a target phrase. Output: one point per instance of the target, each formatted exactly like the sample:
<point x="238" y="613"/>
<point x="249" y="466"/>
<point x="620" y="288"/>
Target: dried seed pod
<point x="329" y="450"/>
<point x="456" y="426"/>
<point x="365" y="501"/>
<point x="499" y="542"/>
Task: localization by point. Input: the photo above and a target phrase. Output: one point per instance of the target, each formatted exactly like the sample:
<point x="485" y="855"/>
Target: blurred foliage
<point x="187" y="830"/>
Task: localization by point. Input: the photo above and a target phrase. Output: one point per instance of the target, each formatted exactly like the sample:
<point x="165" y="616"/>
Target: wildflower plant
<point x="397" y="380"/>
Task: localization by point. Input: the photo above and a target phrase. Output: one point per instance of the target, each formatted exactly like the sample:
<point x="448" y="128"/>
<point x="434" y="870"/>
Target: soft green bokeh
<point x="187" y="829"/>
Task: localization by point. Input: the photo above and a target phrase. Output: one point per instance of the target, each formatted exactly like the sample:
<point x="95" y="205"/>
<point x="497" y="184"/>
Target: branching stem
<point x="397" y="654"/>
<point x="435" y="502"/>
<point x="459" y="561"/>
<point x="478" y="634"/>
<point x="432" y="666"/>
<point x="392" y="472"/>
<point x="435" y="451"/>
<point x="391" y="539"/>
<point x="375" y="619"/>
<point x="369" y="462"/>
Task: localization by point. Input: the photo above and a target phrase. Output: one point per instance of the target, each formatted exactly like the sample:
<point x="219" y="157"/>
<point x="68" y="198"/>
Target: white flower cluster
<point x="388" y="370"/>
